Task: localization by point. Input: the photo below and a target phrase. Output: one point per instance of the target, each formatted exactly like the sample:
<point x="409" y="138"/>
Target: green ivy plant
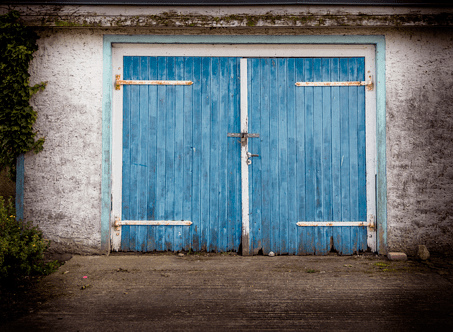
<point x="22" y="247"/>
<point x="17" y="43"/>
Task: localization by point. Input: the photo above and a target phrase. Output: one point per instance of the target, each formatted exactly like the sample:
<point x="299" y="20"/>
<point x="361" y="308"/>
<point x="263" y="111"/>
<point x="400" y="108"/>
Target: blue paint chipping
<point x="185" y="164"/>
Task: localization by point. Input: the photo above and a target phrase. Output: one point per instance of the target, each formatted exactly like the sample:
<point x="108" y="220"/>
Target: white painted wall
<point x="63" y="183"/>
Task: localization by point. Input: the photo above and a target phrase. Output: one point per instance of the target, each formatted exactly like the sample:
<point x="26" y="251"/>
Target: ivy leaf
<point x="17" y="117"/>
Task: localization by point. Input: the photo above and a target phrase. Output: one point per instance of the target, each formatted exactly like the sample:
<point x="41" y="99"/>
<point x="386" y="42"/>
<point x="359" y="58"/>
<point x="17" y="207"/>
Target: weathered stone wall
<point x="63" y="183"/>
<point x="420" y="139"/>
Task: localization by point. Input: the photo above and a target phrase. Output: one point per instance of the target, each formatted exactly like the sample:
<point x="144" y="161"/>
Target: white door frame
<point x="243" y="51"/>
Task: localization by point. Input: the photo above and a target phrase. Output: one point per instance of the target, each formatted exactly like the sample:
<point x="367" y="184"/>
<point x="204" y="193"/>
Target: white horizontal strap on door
<point x="368" y="84"/>
<point x="120" y="82"/>
<point x="334" y="223"/>
<point x="153" y="223"/>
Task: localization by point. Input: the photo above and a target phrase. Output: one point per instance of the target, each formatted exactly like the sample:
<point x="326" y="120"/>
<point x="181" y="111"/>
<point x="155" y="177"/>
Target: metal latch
<point x="243" y="136"/>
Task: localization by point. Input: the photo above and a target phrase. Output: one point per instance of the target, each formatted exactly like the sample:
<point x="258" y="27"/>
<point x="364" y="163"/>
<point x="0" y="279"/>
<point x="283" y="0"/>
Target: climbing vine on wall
<point x="17" y="117"/>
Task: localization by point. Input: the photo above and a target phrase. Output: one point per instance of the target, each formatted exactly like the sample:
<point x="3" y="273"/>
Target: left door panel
<point x="177" y="162"/>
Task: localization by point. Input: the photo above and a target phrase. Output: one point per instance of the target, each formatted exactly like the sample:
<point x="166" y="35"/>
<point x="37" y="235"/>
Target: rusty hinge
<point x="119" y="82"/>
<point x="371" y="222"/>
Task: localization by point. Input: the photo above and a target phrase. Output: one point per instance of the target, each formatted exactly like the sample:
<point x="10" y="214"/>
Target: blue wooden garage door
<point x="179" y="164"/>
<point x="177" y="161"/>
<point x="312" y="155"/>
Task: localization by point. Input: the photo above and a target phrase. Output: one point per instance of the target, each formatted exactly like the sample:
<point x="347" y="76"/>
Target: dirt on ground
<point x="204" y="291"/>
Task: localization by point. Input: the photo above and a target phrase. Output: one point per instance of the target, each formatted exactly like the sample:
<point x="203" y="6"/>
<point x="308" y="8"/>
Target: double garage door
<point x="242" y="153"/>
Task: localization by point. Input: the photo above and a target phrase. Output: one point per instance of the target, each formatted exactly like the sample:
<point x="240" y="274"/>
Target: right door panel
<point x="312" y="148"/>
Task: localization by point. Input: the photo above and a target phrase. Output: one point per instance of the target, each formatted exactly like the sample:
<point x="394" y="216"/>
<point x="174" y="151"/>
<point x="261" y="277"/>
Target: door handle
<point x="250" y="155"/>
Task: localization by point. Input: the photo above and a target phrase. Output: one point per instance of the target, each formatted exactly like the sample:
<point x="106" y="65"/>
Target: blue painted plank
<point x="197" y="154"/>
<point x="310" y="170"/>
<point x="265" y="152"/>
<point x="282" y="177"/>
<point x="188" y="153"/>
<point x="142" y="157"/>
<point x="134" y="150"/>
<point x="273" y="160"/>
<point x="152" y="146"/>
<point x="318" y="233"/>
<point x="205" y="159"/>
<point x="179" y="154"/>
<point x="292" y="157"/>
<point x="353" y="148"/>
<point x="170" y="154"/>
<point x="223" y="154"/>
<point x="336" y="154"/>
<point x="300" y="157"/>
<point x="344" y="163"/>
<point x="126" y="170"/>
<point x="234" y="180"/>
<point x="161" y="155"/>
<point x="361" y="153"/>
<point x="254" y="97"/>
<point x="214" y="157"/>
<point x="324" y="233"/>
<point x="282" y="155"/>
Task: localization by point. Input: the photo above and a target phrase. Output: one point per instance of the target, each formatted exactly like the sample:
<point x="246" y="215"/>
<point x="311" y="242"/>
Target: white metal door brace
<point x="369" y="84"/>
<point x="119" y="82"/>
<point x="370" y="223"/>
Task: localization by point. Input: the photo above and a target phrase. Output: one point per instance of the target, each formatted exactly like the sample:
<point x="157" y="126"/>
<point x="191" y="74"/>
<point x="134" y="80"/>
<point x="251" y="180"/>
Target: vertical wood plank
<point x="353" y="148"/>
<point x="362" y="204"/>
<point x="265" y="152"/>
<point x="179" y="154"/>
<point x="273" y="160"/>
<point x="205" y="158"/>
<point x="336" y="154"/>
<point x="135" y="141"/>
<point x="161" y="153"/>
<point x="152" y="152"/>
<point x="187" y="153"/>
<point x="126" y="169"/>
<point x="282" y="154"/>
<point x="170" y="154"/>
<point x="222" y="233"/>
<point x="300" y="159"/>
<point x="292" y="157"/>
<point x="214" y="153"/>
<point x="197" y="153"/>
<point x="254" y="95"/>
<point x="318" y="157"/>
<point x="345" y="162"/>
<point x="310" y="170"/>
<point x="326" y="166"/>
<point x="142" y="165"/>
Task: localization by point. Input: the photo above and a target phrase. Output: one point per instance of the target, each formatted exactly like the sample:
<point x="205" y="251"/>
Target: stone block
<point x="423" y="252"/>
<point x="397" y="256"/>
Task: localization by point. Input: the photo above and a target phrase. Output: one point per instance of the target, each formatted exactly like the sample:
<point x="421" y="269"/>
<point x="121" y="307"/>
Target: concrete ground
<point x="220" y="292"/>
